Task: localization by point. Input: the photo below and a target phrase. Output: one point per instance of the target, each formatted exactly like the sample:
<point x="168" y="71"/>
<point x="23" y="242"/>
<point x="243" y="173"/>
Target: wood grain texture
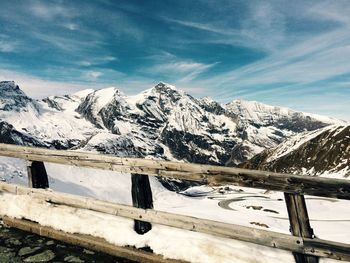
<point x="299" y="223"/>
<point x="314" y="247"/>
<point x="213" y="175"/>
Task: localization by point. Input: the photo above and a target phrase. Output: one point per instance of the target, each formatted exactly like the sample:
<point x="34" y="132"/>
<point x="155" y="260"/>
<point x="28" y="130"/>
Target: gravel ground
<point x="19" y="246"/>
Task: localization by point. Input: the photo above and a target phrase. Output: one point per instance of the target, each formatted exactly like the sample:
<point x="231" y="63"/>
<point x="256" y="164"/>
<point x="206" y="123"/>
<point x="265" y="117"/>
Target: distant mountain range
<point x="162" y="122"/>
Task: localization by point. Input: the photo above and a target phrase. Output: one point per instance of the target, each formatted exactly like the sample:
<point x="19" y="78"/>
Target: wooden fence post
<point x="299" y="223"/>
<point x="37" y="176"/>
<point x="141" y="198"/>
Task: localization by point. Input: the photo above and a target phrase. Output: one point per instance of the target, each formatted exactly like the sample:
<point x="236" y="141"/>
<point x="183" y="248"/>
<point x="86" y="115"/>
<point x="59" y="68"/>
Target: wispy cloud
<point x="300" y="58"/>
<point x="93" y="61"/>
<point x="263" y="27"/>
<point x="71" y="26"/>
<point x="65" y="43"/>
<point x="186" y="70"/>
<point x="270" y="51"/>
<point x="202" y="26"/>
<point x="312" y="60"/>
<point x="175" y="68"/>
<point x="91" y="75"/>
<point x="298" y="63"/>
<point x="50" y="10"/>
<point x="7" y="46"/>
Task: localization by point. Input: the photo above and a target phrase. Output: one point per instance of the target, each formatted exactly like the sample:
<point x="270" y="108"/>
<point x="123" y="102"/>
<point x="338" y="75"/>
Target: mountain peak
<point x="8" y="85"/>
<point x="207" y="100"/>
<point x="13" y="98"/>
<point x="164" y="86"/>
<point x="108" y="92"/>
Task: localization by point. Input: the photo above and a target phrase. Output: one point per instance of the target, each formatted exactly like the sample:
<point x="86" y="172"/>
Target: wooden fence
<point x="302" y="243"/>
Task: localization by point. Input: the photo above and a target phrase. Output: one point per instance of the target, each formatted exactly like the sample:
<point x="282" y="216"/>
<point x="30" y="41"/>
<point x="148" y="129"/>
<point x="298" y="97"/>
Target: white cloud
<point x="180" y="67"/>
<point x="185" y="70"/>
<point x="71" y="26"/>
<point x="91" y="75"/>
<point x="93" y="61"/>
<point x="169" y="65"/>
<point x="7" y="47"/>
<point x="67" y="44"/>
<point x="338" y="12"/>
<point x="50" y="11"/>
<point x="202" y="26"/>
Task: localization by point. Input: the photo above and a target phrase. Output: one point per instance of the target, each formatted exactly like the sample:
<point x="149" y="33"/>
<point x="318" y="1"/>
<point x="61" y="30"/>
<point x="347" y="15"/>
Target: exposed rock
<point x="8" y="134"/>
<point x="5" y="250"/>
<point x="50" y="243"/>
<point x="89" y="252"/>
<point x="27" y="251"/>
<point x="12" y="98"/>
<point x="45" y="256"/>
<point x="73" y="259"/>
<point x="32" y="246"/>
<point x="13" y="241"/>
<point x="8" y="257"/>
<point x="212" y="106"/>
<point x="314" y="153"/>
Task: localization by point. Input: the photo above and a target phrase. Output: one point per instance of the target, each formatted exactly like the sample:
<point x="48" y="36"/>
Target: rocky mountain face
<point x="321" y="152"/>
<point x="260" y="126"/>
<point x="14" y="99"/>
<point x="8" y="134"/>
<point x="161" y="122"/>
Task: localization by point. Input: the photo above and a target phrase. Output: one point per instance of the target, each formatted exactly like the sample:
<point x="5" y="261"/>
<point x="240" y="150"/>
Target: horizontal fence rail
<point x="303" y="243"/>
<point x="213" y="175"/>
<point x="315" y="247"/>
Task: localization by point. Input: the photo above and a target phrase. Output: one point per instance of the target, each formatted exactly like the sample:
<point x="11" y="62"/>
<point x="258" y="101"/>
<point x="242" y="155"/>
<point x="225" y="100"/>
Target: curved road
<point x="225" y="204"/>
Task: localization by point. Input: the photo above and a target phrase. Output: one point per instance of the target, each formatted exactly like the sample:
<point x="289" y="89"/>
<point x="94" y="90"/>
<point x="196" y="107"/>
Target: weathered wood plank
<point x="89" y="242"/>
<point x="37" y="175"/>
<point x="315" y="247"/>
<point x="141" y="198"/>
<point x="214" y="175"/>
<point x="299" y="223"/>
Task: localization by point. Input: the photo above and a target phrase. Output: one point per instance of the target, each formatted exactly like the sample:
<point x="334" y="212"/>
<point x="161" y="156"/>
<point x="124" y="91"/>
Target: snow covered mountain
<point x="261" y="126"/>
<point x="161" y="122"/>
<point x="321" y="152"/>
<point x="14" y="99"/>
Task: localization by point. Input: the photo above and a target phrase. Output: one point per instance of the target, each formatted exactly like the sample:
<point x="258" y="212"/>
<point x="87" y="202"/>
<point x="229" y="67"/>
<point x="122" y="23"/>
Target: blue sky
<point x="287" y="53"/>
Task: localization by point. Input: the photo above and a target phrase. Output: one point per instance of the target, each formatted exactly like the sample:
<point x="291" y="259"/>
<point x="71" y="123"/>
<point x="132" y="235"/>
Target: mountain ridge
<point x="161" y="122"/>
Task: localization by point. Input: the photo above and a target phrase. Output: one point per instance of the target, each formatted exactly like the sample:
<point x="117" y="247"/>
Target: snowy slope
<point x="323" y="152"/>
<point x="264" y="115"/>
<point x="56" y="126"/>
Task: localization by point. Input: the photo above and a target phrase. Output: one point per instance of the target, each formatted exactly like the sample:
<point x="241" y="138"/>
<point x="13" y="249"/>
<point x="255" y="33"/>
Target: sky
<point x="284" y="53"/>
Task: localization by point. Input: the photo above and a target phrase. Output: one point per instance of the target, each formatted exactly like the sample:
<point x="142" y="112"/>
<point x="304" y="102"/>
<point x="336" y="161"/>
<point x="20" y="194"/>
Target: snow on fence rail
<point x="304" y="245"/>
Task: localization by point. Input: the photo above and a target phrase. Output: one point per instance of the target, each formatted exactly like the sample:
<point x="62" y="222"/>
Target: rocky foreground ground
<point x="17" y="246"/>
